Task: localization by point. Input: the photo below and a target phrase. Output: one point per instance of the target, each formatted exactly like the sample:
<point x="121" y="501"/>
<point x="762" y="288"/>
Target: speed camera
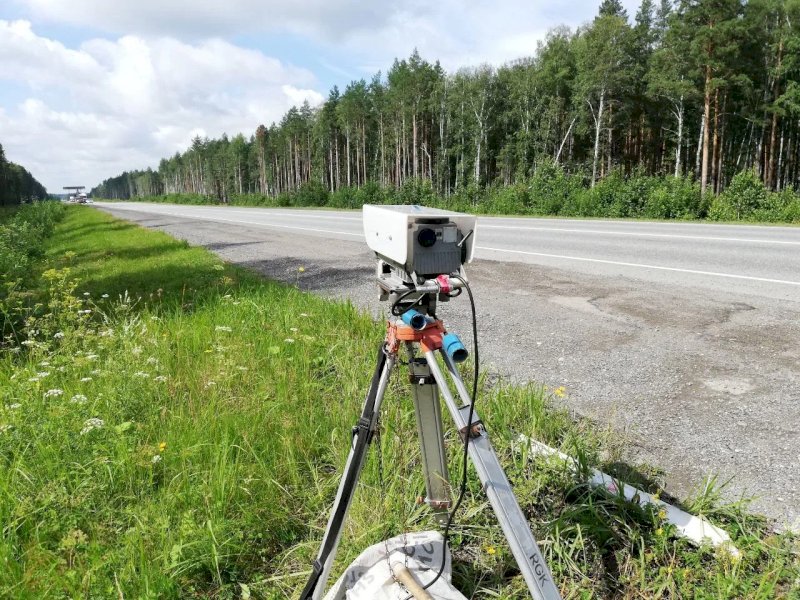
<point x="421" y="242"/>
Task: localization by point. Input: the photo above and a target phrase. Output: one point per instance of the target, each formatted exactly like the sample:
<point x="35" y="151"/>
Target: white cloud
<point x="299" y="96"/>
<point x="207" y="18"/>
<point x="371" y="32"/>
<point x="134" y="100"/>
<point x="24" y="54"/>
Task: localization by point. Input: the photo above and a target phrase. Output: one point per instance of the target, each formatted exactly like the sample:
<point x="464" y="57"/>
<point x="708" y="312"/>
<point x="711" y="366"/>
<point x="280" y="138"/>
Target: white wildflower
<point x="28" y="342"/>
<point x="78" y="399"/>
<point x="15" y="350"/>
<point x="156" y="459"/>
<point x="96" y="372"/>
<point x="42" y="374"/>
<point x="6" y="428"/>
<point x="104" y="296"/>
<point x="289" y="340"/>
<point x="136" y="350"/>
<point x="152" y="360"/>
<point x="33" y="379"/>
<point x="90" y="424"/>
<point x="58" y="335"/>
<point x="54" y="393"/>
<point x="223" y="328"/>
<point x="14" y="406"/>
<point x="293" y="329"/>
<point x="45" y="363"/>
<point x="141" y="374"/>
<point x="85" y="312"/>
<point x="160" y="379"/>
<point x="91" y="357"/>
<point x="303" y="314"/>
<point x="85" y="379"/>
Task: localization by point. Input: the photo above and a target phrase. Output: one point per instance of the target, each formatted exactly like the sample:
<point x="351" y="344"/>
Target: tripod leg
<point x="362" y="436"/>
<point x="512" y="521"/>
<point x="431" y="436"/>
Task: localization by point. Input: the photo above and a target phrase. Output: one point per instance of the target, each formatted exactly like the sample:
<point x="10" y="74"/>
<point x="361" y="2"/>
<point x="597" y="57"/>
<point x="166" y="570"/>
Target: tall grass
<point x="183" y="436"/>
<point x="23" y="231"/>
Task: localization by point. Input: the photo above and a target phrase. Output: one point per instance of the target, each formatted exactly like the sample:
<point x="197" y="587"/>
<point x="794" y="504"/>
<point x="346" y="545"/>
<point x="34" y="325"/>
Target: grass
<point x="183" y="438"/>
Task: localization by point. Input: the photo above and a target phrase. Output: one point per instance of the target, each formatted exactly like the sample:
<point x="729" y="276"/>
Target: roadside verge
<point x="175" y="427"/>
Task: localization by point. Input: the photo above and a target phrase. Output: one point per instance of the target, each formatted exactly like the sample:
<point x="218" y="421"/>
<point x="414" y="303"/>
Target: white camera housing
<point x="403" y="236"/>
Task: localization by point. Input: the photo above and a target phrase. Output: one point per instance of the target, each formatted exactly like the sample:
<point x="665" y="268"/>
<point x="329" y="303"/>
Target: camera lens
<point x="426" y="237"/>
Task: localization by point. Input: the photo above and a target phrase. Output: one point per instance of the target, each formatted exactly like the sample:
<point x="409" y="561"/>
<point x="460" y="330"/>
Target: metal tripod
<point x="428" y="381"/>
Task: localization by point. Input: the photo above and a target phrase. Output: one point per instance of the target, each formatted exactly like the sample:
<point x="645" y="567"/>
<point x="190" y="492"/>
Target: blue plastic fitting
<point x="415" y="319"/>
<point x="454" y="348"/>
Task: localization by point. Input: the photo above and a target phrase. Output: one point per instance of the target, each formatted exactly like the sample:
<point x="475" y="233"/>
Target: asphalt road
<point x="682" y="337"/>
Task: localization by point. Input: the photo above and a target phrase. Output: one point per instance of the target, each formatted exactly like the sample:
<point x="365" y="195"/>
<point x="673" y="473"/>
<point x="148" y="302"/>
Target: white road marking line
<point x="254" y="224"/>
<point x="641" y="266"/>
<point x="484" y="225"/>
<point x="304" y="214"/>
<point x="523" y="252"/>
<point x="641" y="234"/>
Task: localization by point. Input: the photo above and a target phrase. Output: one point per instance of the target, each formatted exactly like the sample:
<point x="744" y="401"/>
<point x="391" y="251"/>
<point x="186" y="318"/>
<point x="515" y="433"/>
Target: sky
<point x="92" y="88"/>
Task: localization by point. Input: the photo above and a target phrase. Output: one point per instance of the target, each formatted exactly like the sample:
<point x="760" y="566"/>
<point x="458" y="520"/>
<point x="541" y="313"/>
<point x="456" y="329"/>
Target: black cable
<point x="463" y="488"/>
<point x="398" y="311"/>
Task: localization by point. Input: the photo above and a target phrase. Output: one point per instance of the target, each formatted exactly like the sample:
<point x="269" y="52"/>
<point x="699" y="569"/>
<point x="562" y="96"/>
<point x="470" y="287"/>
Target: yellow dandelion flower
<point x="660" y="531"/>
<point x="560" y="391"/>
<point x="301" y="269"/>
<point x="162" y="446"/>
<point x="662" y="514"/>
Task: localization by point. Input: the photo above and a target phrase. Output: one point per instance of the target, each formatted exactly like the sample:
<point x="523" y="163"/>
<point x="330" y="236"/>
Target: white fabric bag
<point x="369" y="577"/>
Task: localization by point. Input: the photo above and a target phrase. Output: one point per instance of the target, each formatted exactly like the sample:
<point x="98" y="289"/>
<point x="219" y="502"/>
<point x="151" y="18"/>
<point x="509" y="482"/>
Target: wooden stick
<point x="407" y="578"/>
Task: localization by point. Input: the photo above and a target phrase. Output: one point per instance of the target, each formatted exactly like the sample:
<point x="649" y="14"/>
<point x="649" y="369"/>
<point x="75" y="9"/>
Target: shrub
<point x="631" y="196"/>
<point x="551" y="189"/>
<point x="311" y="193"/>
<point x="674" y="198"/>
<point x="507" y="200"/>
<point x="344" y="198"/>
<point x="22" y="239"/>
<point x="370" y="193"/>
<point x="790" y="213"/>
<point x="603" y="198"/>
<point x="744" y="196"/>
<point x="467" y="198"/>
<point x="417" y="191"/>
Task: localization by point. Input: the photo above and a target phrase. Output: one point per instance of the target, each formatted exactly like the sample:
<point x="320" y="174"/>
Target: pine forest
<point x="686" y="109"/>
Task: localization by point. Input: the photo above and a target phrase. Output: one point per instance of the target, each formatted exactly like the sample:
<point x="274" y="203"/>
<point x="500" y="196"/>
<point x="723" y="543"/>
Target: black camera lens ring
<point x="426" y="237"/>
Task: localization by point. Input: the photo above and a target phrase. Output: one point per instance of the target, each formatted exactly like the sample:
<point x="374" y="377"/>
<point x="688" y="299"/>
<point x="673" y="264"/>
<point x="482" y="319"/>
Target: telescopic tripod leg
<point x="362" y="436"/>
<point x="431" y="436"/>
<point x="495" y="483"/>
